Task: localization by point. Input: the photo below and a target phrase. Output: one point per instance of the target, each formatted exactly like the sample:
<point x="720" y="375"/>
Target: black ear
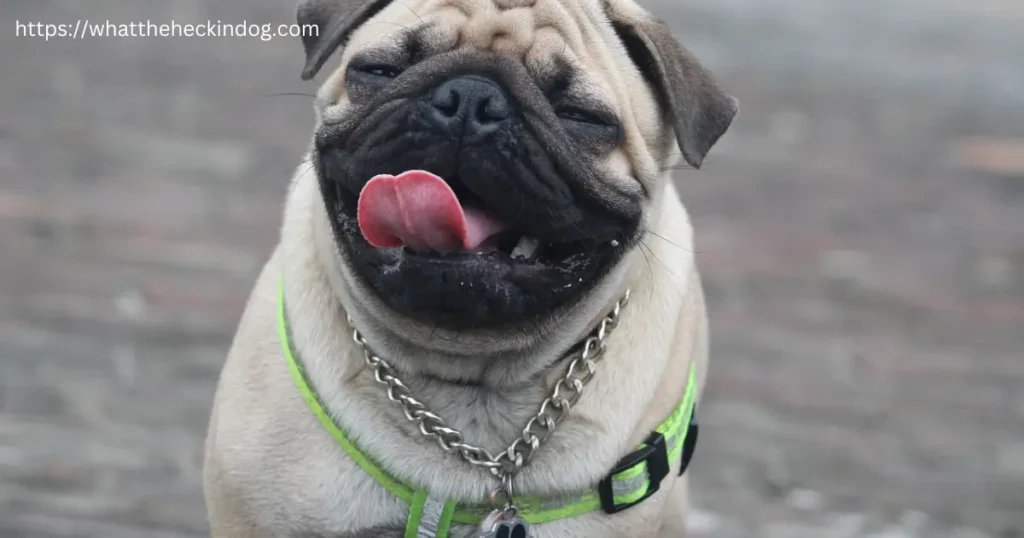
<point x="701" y="111"/>
<point x="334" y="21"/>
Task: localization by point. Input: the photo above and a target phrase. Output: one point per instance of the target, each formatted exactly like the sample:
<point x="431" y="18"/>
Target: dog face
<point x="542" y="128"/>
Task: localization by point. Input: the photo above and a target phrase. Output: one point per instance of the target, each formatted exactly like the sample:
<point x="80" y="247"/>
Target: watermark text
<point x="82" y="29"/>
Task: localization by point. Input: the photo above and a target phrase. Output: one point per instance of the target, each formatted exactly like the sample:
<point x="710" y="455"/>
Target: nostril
<point x="493" y="109"/>
<point x="446" y="101"/>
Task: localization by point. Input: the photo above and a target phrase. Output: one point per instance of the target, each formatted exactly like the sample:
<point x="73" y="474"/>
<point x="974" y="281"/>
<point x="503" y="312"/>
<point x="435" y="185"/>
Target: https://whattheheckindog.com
<point x="85" y="28"/>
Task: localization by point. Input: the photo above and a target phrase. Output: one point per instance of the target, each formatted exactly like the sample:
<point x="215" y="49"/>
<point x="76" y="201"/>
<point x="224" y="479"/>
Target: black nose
<point x="475" y="104"/>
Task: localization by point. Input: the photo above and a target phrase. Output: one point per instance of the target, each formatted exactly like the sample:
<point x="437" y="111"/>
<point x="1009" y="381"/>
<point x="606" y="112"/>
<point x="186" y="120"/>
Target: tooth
<point x="525" y="248"/>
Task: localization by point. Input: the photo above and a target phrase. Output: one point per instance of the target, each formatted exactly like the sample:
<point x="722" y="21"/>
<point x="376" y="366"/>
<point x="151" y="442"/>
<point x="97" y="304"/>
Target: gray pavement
<point x="861" y="230"/>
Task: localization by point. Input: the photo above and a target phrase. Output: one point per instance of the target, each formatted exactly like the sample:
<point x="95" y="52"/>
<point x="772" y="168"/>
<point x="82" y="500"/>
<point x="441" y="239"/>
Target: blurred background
<point x="860" y="230"/>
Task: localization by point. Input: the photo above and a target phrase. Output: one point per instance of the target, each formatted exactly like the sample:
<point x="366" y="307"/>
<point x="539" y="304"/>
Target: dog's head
<point x="516" y="147"/>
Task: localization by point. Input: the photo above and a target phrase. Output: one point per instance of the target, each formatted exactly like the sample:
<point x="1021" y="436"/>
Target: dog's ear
<point x="334" y="21"/>
<point x="701" y="111"/>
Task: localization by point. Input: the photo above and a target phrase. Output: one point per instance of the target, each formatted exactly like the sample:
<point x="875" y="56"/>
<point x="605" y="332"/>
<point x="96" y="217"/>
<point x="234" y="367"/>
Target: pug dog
<point x="444" y="321"/>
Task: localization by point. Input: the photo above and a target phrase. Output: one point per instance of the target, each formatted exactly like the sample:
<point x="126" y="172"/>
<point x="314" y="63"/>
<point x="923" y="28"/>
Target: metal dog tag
<point x="504" y="520"/>
<point x="504" y="523"/>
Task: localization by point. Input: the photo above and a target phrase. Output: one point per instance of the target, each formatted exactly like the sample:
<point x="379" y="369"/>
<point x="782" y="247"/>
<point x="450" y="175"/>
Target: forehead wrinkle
<point x="574" y="61"/>
<point x="587" y="41"/>
<point x="583" y="50"/>
<point x="512" y="26"/>
<point x="487" y="26"/>
<point x="426" y="39"/>
<point x="556" y="15"/>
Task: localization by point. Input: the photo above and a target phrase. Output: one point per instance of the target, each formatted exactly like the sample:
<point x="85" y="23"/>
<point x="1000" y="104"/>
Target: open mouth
<point x="429" y="217"/>
<point x="432" y="248"/>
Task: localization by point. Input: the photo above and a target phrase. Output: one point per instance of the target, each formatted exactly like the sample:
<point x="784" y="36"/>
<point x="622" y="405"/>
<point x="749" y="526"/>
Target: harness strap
<point x="429" y="516"/>
<point x="636" y="477"/>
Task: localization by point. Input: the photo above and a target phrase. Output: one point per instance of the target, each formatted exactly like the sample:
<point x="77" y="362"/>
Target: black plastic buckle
<point x="689" y="443"/>
<point x="655" y="454"/>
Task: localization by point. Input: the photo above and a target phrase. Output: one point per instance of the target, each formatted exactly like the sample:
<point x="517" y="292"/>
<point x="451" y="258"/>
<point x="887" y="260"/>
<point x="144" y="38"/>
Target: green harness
<point x="636" y="477"/>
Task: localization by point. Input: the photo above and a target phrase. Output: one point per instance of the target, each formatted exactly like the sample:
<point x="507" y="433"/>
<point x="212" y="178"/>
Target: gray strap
<point x="431" y="518"/>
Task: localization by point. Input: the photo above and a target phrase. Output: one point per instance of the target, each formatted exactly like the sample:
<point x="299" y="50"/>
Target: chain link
<point x="538" y="429"/>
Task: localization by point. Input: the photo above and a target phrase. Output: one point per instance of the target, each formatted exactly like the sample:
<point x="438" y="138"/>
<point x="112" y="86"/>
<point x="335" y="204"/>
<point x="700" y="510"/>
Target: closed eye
<point x="366" y="78"/>
<point x="580" y="115"/>
<point x="597" y="131"/>
<point x="377" y="70"/>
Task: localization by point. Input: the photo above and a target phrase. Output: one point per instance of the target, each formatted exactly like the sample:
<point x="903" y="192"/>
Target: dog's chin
<point x="519" y="280"/>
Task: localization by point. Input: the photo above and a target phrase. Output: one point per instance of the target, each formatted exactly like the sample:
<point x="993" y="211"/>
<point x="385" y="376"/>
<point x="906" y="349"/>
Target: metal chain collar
<point x="553" y="409"/>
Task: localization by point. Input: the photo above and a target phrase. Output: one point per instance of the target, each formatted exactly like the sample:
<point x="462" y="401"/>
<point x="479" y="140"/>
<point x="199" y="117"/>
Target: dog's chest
<point x="333" y="498"/>
<point x="325" y="493"/>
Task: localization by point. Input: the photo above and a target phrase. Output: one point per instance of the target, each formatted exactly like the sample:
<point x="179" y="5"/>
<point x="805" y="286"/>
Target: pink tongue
<point x="419" y="210"/>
